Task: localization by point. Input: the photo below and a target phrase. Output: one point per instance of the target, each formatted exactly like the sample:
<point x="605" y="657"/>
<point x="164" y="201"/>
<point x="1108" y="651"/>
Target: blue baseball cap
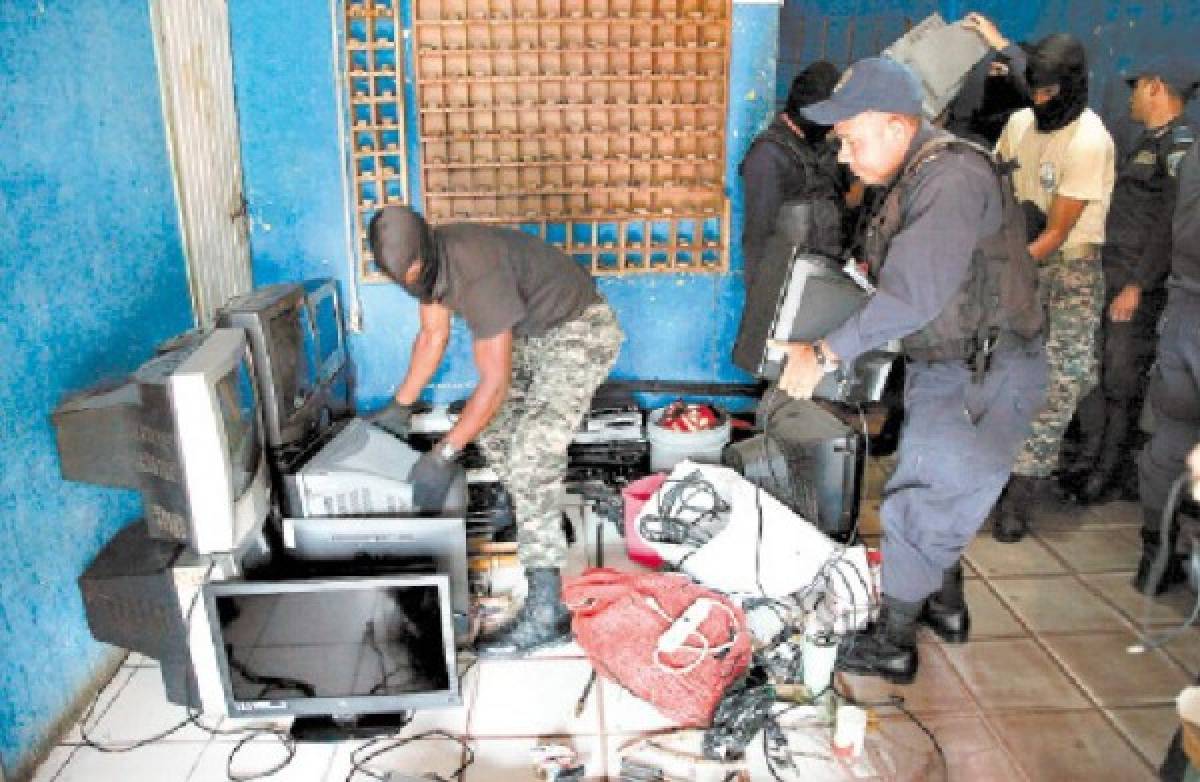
<point x="873" y="84"/>
<point x="1181" y="75"/>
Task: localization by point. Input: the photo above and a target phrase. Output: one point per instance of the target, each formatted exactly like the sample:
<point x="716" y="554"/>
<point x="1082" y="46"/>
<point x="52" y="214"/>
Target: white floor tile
<point x="309" y="764"/>
<point x="142" y="710"/>
<point x="163" y="762"/>
<point x="532" y="698"/>
<point x="436" y="755"/>
<point x="626" y="713"/>
<point x="103" y="704"/>
<point x="511" y="760"/>
<point x="49" y="768"/>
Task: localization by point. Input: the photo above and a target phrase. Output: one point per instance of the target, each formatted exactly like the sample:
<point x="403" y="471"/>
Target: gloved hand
<point x="394" y="418"/>
<point x="431" y="477"/>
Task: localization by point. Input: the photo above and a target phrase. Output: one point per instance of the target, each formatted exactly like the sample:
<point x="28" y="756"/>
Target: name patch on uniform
<point x="1144" y="158"/>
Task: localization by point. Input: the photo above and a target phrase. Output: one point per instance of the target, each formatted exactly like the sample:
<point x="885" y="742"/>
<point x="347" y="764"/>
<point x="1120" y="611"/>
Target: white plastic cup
<point x="849" y="731"/>
<point x="818" y="656"/>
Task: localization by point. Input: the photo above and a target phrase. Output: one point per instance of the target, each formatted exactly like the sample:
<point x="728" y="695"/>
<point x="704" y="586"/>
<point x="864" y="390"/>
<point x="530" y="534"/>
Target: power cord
<point x="381" y="746"/>
<point x="1159" y="569"/>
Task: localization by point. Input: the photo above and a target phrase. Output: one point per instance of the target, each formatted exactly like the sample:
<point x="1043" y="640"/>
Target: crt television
<point x="335" y="647"/>
<point x="297" y="338"/>
<point x="200" y="462"/>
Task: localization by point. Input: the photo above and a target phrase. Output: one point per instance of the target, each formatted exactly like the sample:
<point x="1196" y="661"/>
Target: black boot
<point x="543" y="620"/>
<point x="1015" y="508"/>
<point x="888" y="648"/>
<point x="1175" y="572"/>
<point x="945" y="611"/>
<point x="1092" y="417"/>
<point x="1100" y="481"/>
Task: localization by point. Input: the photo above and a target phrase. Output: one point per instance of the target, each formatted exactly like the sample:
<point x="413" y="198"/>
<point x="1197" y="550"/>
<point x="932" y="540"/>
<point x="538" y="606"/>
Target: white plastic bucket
<point x="668" y="448"/>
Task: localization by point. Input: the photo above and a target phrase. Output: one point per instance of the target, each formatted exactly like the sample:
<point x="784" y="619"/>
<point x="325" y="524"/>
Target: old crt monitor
<point x="334" y="647"/>
<point x="363" y="471"/>
<point x="201" y="463"/>
<point x="335" y="371"/>
<point x="295" y="360"/>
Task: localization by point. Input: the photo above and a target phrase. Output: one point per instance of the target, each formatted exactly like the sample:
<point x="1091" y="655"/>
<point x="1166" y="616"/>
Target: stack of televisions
<point x="282" y="568"/>
<point x="599" y="124"/>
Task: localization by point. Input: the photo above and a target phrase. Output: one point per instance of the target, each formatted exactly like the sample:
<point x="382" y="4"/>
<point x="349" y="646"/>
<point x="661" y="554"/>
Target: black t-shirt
<point x="499" y="279"/>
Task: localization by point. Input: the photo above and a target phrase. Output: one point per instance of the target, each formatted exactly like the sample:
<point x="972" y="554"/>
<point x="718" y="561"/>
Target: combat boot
<point x="888" y="648"/>
<point x="945" y="611"/>
<point x="1100" y="480"/>
<point x="1014" y="512"/>
<point x="1151" y="543"/>
<point x="543" y="620"/>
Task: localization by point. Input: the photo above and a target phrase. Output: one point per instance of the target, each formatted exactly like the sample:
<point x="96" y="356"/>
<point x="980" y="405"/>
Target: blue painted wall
<point x="284" y="72"/>
<point x="93" y="275"/>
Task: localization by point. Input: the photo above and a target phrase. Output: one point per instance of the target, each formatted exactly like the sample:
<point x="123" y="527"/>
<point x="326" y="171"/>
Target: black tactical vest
<point x="1000" y="295"/>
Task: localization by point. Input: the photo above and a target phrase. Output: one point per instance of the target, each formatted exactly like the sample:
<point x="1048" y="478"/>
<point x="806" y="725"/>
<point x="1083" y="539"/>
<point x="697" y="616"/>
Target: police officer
<point x="791" y="161"/>
<point x="965" y="419"/>
<point x="1174" y="391"/>
<point x="1065" y="168"/>
<point x="543" y="340"/>
<point x="1136" y="257"/>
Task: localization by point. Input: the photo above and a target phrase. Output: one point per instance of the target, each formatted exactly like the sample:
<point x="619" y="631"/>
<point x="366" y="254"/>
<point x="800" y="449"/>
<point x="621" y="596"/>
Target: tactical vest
<point x="999" y="298"/>
<point x="824" y="211"/>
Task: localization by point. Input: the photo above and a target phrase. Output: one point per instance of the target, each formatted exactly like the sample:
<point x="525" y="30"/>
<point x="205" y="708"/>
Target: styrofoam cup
<point x="849" y="731"/>
<point x="818" y="656"/>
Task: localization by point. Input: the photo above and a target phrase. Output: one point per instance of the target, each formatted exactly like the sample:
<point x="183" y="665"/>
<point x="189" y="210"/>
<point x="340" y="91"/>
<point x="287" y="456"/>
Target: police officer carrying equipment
<point x="543" y="339"/>
<point x="971" y="391"/>
<point x="1174" y="391"/>
<point x="1136" y="258"/>
<point x="1064" y="158"/>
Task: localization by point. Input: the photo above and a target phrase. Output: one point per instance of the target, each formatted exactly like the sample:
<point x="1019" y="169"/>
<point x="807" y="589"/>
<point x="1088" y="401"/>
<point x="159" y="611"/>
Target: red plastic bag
<point x="618" y="619"/>
<point x="634" y="496"/>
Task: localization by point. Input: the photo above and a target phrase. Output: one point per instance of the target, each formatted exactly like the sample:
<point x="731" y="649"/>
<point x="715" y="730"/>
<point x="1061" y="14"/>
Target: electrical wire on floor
<point x="376" y="748"/>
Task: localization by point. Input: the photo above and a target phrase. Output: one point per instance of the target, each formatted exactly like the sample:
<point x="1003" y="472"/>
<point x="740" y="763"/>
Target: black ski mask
<point x="1058" y="60"/>
<point x="812" y="85"/>
<point x="399" y="236"/>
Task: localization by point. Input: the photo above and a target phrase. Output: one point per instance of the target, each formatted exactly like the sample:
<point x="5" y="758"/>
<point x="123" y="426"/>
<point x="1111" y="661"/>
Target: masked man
<point x="543" y="339"/>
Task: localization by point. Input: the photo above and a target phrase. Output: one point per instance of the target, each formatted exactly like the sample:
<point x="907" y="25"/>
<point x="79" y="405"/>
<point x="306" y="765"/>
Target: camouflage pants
<point x="1073" y="295"/>
<point x="553" y="378"/>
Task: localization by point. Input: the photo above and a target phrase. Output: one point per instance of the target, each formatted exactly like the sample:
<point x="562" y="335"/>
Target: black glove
<point x="395" y="419"/>
<point x="431" y="477"/>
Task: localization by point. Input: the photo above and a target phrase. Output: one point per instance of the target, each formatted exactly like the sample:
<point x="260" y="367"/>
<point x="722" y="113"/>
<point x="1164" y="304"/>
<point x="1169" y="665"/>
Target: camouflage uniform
<point x="553" y="378"/>
<point x="1073" y="295"/>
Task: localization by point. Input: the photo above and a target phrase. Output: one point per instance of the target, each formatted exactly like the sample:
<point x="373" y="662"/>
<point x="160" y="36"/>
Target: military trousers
<point x="956" y="452"/>
<point x="1072" y="293"/>
<point x="553" y="378"/>
<point x="1174" y="396"/>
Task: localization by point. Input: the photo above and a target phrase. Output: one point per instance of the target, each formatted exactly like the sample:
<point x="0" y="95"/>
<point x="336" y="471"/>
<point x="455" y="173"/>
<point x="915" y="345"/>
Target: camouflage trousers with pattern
<point x="1072" y="293"/>
<point x="553" y="378"/>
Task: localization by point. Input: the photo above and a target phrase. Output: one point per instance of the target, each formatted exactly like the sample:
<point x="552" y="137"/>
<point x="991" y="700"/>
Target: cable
<point x="897" y="702"/>
<point x="1158" y="571"/>
<point x="390" y="744"/>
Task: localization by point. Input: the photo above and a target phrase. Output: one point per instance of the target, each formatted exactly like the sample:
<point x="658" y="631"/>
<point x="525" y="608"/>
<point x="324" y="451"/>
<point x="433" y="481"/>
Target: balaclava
<point x="812" y="85"/>
<point x="1061" y="60"/>
<point x="399" y="236"/>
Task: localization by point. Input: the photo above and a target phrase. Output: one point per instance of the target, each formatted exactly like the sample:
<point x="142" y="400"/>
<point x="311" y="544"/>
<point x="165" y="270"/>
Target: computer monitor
<point x="334" y="647"/>
<point x="363" y="471"/>
<point x="277" y="323"/>
<point x="201" y="463"/>
<point x="335" y="371"/>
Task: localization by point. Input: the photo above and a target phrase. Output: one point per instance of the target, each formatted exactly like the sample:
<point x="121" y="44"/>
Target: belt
<point x="1080" y="252"/>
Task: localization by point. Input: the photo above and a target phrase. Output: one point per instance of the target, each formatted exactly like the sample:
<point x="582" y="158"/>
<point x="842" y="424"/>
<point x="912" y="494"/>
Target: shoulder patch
<point x="1182" y="135"/>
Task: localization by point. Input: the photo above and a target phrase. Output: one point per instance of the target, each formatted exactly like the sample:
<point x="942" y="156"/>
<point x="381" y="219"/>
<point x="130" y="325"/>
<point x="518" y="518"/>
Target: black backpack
<point x="1000" y="296"/>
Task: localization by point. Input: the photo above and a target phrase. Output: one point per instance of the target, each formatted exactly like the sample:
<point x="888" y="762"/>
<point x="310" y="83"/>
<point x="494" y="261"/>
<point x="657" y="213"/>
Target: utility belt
<point x="976" y="352"/>
<point x="1079" y="252"/>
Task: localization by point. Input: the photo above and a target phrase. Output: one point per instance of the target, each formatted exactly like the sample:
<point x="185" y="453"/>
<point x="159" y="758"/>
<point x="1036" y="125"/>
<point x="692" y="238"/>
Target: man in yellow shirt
<point x="1066" y="168"/>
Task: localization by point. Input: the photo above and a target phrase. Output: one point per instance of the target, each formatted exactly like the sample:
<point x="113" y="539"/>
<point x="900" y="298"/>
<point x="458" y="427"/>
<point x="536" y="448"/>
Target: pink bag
<point x="635" y="496"/>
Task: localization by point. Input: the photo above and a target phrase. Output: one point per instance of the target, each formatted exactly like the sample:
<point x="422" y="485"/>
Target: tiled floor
<point x="1045" y="690"/>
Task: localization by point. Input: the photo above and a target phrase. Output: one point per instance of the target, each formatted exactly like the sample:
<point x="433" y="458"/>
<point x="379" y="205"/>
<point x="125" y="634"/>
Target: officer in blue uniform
<point x="1136" y="257"/>
<point x="1174" y="391"/>
<point x="965" y="420"/>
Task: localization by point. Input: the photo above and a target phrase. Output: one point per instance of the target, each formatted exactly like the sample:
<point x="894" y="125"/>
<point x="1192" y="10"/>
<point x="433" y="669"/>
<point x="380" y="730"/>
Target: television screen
<point x="340" y="646"/>
<point x="201" y="465"/>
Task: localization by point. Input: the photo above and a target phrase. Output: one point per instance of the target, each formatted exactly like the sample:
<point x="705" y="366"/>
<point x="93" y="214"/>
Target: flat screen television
<point x="201" y="464"/>
<point x="337" y="647"/>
